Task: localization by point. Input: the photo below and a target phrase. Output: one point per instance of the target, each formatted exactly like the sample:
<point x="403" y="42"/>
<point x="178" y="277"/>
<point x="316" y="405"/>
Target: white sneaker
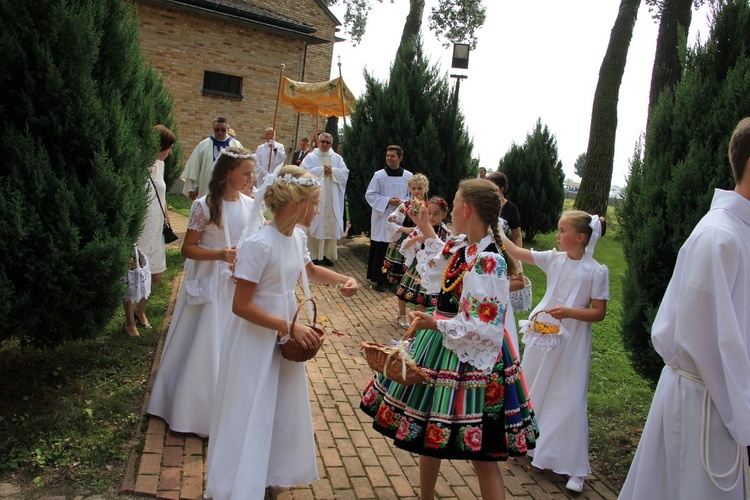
<point x="575" y="483"/>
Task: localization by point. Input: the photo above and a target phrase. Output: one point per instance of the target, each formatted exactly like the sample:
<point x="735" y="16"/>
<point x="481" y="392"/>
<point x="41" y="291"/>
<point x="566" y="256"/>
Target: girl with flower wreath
<point x="474" y="405"/>
<point x="261" y="425"/>
<point x="398" y="226"/>
<point x="410" y="289"/>
<point x="183" y="390"/>
<point x="558" y="378"/>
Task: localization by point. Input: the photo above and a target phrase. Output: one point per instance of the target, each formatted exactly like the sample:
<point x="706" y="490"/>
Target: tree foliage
<point x="452" y="21"/>
<point x="669" y="191"/>
<point x="593" y="194"/>
<point x="580" y="164"/>
<point x="414" y="110"/>
<point x="77" y="110"/>
<point x="535" y="181"/>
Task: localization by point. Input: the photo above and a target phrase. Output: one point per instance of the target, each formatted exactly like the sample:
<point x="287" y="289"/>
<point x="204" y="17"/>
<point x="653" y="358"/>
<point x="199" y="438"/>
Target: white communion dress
<point x="261" y="427"/>
<point x="183" y="391"/>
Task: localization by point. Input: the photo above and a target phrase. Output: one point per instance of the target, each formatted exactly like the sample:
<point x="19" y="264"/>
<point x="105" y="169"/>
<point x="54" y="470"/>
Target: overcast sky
<point x="534" y="59"/>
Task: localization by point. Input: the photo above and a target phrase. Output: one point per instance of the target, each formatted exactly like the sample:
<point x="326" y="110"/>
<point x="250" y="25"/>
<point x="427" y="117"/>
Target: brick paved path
<point x="354" y="461"/>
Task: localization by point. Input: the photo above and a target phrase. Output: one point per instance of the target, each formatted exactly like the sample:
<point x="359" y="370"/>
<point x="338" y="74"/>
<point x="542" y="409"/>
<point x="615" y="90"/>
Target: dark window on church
<point x="221" y="84"/>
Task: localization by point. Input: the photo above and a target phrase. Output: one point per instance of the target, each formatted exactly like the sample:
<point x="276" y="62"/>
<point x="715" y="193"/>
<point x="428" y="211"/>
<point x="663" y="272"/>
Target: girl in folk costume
<point x="261" y="427"/>
<point x="398" y="226"/>
<point x="184" y="387"/>
<point x="474" y="405"/>
<point x="410" y="289"/>
<point x="558" y="378"/>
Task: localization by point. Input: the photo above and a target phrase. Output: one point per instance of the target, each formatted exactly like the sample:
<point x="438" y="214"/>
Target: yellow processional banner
<point x="331" y="98"/>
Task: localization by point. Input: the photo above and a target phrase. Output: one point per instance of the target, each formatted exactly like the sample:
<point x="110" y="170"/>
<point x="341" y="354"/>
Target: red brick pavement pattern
<point x="354" y="462"/>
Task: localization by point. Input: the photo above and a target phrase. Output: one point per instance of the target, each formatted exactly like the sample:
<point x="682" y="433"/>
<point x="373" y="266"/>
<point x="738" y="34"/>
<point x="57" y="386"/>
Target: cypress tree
<point x="77" y="110"/>
<point x="535" y="181"/>
<point x="413" y="109"/>
<point x="686" y="146"/>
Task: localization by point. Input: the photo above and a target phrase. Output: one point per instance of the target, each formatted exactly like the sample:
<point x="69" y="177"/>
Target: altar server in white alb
<point x="268" y="156"/>
<point x="694" y="444"/>
<point x="327" y="227"/>
<point x="388" y="188"/>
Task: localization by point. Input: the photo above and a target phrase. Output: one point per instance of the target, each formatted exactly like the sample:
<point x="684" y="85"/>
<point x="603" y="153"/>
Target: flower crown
<point x="290" y="179"/>
<point x="236" y="155"/>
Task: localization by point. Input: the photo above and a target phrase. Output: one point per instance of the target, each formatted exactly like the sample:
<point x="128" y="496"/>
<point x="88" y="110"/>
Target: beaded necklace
<point x="457" y="273"/>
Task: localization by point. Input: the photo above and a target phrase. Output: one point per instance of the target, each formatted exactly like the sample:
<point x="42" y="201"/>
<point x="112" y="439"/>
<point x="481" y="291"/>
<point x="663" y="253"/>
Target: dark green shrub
<point x="685" y="160"/>
<point x="77" y="111"/>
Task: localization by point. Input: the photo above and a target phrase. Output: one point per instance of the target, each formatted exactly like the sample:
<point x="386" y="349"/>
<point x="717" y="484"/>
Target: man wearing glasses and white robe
<point x="199" y="167"/>
<point x="327" y="227"/>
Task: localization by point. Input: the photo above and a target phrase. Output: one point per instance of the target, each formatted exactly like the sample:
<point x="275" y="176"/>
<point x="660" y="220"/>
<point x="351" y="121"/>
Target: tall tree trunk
<point x="413" y="23"/>
<point x="594" y="192"/>
<point x="676" y="16"/>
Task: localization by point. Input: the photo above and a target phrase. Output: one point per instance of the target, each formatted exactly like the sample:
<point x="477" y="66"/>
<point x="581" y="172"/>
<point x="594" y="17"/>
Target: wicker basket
<point x="542" y="331"/>
<point x="388" y="360"/>
<point x="293" y="350"/>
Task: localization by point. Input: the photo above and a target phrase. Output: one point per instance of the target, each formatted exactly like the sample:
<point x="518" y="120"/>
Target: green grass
<point x="179" y="203"/>
<point x="68" y="417"/>
<point x="619" y="398"/>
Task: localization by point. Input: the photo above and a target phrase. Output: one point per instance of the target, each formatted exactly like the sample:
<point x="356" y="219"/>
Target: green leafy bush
<point x="77" y="111"/>
<point x="685" y="160"/>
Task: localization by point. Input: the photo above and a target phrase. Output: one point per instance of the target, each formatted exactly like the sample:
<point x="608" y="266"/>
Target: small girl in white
<point x="261" y="426"/>
<point x="184" y="387"/>
<point x="558" y="379"/>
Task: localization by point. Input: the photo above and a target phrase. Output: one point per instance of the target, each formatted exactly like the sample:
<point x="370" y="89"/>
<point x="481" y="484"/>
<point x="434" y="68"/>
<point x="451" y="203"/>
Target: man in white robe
<point x="327" y="227"/>
<point x="268" y="156"/>
<point x="387" y="189"/>
<point x="199" y="167"/>
<point x="702" y="331"/>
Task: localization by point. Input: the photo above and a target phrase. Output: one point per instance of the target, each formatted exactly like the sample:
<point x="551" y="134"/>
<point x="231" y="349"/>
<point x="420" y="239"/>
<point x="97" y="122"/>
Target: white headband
<point x="596" y="232"/>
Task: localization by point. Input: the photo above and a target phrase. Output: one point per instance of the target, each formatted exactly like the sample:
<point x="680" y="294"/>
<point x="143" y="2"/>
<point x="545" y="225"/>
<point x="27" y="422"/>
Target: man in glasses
<point x="327" y="227"/>
<point x="199" y="166"/>
<point x="268" y="156"/>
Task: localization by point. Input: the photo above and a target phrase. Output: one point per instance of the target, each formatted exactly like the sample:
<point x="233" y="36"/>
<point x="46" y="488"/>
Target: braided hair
<point x="486" y="199"/>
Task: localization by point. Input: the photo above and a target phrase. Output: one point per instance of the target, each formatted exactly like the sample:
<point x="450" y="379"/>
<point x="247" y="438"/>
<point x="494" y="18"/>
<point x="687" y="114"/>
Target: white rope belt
<point x="740" y="466"/>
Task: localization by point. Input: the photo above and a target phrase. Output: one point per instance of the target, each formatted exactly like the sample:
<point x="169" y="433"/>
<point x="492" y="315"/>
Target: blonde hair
<point x="581" y="222"/>
<point x="486" y="199"/>
<point x="279" y="194"/>
<point x="420" y="179"/>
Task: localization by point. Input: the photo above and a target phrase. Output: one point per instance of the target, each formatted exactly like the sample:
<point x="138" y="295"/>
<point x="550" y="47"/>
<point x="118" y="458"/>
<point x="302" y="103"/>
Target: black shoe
<point x="381" y="287"/>
<point x="316" y="262"/>
<point x="350" y="236"/>
<point x="328" y="262"/>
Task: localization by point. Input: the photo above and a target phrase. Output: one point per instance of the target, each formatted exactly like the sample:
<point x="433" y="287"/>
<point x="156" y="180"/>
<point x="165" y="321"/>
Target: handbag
<point x="169" y="235"/>
<point x="166" y="230"/>
<point x="138" y="278"/>
<point x="201" y="290"/>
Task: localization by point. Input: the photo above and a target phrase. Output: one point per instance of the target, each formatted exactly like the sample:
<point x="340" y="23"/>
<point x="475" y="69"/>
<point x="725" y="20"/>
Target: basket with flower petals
<point x="542" y="331"/>
<point x="293" y="350"/>
<point x="394" y="361"/>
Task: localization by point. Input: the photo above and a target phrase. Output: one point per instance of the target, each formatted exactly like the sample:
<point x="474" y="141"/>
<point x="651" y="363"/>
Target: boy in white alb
<point x="702" y="331"/>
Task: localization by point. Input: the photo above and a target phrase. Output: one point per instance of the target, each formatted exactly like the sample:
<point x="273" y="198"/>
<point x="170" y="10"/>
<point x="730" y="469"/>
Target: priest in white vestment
<point x="268" y="156"/>
<point x="327" y="227"/>
<point x="387" y="189"/>
<point x="199" y="167"/>
<point x="694" y="443"/>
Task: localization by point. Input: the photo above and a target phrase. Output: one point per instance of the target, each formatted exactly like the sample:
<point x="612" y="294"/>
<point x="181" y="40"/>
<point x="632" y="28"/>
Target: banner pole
<point x="341" y="93"/>
<point x="276" y="112"/>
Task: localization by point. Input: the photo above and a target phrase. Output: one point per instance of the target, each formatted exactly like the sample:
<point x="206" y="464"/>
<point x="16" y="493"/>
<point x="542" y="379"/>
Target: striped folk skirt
<point x="460" y="413"/>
